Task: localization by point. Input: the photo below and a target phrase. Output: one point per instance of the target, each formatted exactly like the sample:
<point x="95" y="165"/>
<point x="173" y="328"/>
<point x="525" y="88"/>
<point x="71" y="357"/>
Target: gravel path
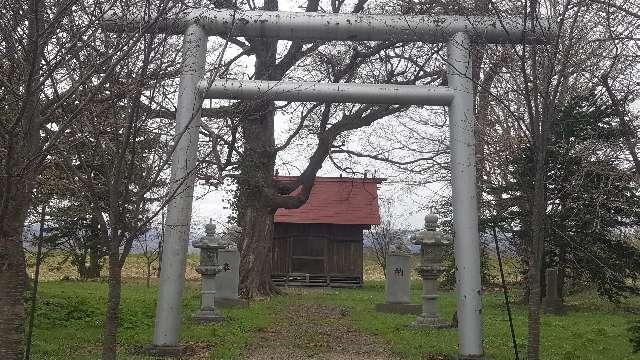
<point x="316" y="332"/>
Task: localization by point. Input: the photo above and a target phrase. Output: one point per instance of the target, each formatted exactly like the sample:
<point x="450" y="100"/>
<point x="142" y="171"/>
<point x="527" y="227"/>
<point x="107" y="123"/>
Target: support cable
<point x="506" y="295"/>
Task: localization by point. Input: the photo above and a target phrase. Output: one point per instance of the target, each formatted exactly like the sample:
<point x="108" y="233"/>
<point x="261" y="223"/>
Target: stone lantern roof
<point x="211" y="240"/>
<point x="431" y="222"/>
<point x="430" y="236"/>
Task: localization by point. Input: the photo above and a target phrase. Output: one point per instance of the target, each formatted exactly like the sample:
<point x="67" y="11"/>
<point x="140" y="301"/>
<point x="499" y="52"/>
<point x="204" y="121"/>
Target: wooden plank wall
<point x="318" y="249"/>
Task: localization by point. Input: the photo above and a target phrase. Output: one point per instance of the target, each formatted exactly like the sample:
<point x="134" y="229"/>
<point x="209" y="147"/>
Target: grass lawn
<point x="70" y="315"/>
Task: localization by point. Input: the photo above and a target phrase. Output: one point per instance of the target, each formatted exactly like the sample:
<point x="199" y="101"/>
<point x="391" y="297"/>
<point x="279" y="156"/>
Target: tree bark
<point x="538" y="213"/>
<point x="36" y="280"/>
<point x="257" y="169"/>
<point x="112" y="317"/>
<point x="20" y="164"/>
<point x="256" y="213"/>
<point x="15" y="200"/>
<point x="255" y="264"/>
<point x="540" y="110"/>
<point x="12" y="268"/>
<point x="80" y="261"/>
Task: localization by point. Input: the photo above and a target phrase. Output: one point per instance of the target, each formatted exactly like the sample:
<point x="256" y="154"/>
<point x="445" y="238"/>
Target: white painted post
<point x="168" y="311"/>
<point x="465" y="212"/>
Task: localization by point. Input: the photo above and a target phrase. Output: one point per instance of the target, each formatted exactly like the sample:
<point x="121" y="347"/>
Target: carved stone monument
<point x="552" y="302"/>
<point x="228" y="280"/>
<point x="398" y="283"/>
<point x="209" y="267"/>
<point x="432" y="249"/>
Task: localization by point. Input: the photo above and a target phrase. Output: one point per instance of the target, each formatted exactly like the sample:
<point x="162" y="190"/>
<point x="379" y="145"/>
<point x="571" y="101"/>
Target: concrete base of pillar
<point x="231" y="303"/>
<point x="434" y="323"/>
<point x="413" y="309"/>
<point x="471" y="357"/>
<point x="206" y="316"/>
<point x="164" y="350"/>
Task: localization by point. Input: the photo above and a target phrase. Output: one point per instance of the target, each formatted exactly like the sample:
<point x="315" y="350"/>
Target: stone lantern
<point x="432" y="250"/>
<point x="209" y="246"/>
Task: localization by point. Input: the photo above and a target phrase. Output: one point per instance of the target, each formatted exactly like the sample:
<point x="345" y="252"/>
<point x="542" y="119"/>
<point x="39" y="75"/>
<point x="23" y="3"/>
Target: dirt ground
<point x="316" y="332"/>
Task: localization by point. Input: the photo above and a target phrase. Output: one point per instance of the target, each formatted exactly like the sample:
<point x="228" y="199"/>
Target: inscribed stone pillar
<point x="552" y="303"/>
<point x="398" y="278"/>
<point x="397" y="289"/>
<point x="228" y="280"/>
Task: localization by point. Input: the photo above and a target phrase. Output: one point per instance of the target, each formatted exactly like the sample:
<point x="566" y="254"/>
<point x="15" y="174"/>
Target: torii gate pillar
<point x="465" y="205"/>
<point x="178" y="222"/>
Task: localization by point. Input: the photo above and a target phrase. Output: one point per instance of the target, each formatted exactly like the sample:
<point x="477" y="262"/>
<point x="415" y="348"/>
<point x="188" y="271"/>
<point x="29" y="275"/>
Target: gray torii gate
<point x="458" y="32"/>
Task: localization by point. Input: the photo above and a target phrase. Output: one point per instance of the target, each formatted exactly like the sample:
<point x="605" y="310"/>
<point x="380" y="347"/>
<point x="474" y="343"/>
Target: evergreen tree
<point x="75" y="231"/>
<point x="591" y="204"/>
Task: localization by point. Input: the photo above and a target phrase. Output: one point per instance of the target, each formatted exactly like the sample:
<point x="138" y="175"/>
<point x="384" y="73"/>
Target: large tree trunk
<point x="19" y="168"/>
<point x="112" y="317"/>
<point x="255" y="264"/>
<point x="15" y="202"/>
<point x="255" y="211"/>
<point x="16" y="185"/>
<point x="96" y="250"/>
<point x="538" y="213"/>
<point x="538" y="201"/>
<point x="91" y="270"/>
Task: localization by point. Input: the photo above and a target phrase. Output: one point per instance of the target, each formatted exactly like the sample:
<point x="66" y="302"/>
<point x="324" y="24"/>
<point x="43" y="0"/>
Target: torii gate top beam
<point x="340" y="27"/>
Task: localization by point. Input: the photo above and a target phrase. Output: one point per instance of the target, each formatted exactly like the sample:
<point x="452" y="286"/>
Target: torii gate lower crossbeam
<point x="457" y="31"/>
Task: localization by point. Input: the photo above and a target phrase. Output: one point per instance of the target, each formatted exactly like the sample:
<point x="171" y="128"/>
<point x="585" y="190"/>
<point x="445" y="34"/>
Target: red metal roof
<point x="336" y="200"/>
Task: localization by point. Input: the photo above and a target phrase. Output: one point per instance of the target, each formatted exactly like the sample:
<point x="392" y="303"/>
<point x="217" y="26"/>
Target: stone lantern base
<point x="399" y="308"/>
<point x="207" y="316"/>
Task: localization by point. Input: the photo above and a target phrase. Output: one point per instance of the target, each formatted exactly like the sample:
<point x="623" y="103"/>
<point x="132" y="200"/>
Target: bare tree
<point x="526" y="95"/>
<point x="388" y="235"/>
<point x="383" y="238"/>
<point x="40" y="40"/>
<point x="119" y="156"/>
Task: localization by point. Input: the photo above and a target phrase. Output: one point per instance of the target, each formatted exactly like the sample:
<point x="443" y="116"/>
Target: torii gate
<point x="457" y="31"/>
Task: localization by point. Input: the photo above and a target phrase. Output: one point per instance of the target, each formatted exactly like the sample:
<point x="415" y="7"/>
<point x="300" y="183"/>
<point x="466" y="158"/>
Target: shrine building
<point x="320" y="243"/>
